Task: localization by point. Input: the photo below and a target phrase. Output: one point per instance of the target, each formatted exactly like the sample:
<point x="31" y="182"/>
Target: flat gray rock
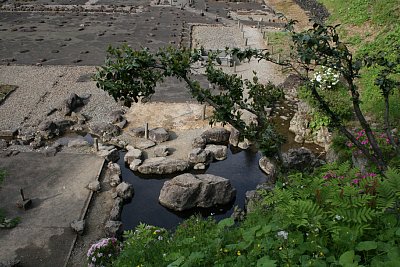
<point x="162" y="165"/>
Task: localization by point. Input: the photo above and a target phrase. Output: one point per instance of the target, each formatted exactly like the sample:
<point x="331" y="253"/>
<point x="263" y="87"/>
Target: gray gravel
<point x="42" y="89"/>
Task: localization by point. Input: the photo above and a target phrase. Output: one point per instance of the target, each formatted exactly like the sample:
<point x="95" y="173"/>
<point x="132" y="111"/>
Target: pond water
<point x="240" y="168"/>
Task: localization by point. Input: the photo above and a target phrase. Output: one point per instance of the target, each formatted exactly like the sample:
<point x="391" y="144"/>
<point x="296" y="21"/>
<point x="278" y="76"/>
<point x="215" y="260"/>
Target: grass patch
<point x="279" y="42"/>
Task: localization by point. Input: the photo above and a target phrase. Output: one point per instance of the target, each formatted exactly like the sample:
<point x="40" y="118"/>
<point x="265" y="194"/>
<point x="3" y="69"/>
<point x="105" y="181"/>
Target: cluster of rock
<point x="299" y="125"/>
<point x="69" y="119"/>
<point x="122" y="193"/>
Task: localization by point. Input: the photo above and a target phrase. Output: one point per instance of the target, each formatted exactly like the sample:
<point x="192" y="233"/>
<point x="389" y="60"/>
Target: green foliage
<point x="338" y="99"/>
<point x="335" y="217"/>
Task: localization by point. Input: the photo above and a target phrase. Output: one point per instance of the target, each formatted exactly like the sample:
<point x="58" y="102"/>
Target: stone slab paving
<point x="56" y="186"/>
<point x="82" y="38"/>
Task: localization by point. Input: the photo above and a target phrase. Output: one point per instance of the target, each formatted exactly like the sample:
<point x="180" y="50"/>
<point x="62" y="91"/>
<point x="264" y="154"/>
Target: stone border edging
<point x="83" y="214"/>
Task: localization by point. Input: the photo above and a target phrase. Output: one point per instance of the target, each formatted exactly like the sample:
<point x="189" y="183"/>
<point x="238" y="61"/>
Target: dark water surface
<point x="240" y="168"/>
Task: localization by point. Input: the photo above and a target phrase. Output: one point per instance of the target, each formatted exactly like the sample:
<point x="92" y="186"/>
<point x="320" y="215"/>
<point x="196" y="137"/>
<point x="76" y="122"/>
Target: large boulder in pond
<point x="163" y="165"/>
<point x="216" y="136"/>
<point x="188" y="191"/>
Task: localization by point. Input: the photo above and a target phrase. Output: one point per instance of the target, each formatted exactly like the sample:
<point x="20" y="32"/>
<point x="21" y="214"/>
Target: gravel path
<point x="42" y="89"/>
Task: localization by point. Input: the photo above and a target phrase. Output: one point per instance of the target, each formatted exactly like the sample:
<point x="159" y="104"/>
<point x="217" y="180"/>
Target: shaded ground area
<point x="57" y="189"/>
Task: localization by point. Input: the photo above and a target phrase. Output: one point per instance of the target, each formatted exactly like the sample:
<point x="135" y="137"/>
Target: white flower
<point x="318" y="78"/>
<point x="283" y="234"/>
<point x="160" y="237"/>
<point x="338" y="217"/>
<point x="94" y="259"/>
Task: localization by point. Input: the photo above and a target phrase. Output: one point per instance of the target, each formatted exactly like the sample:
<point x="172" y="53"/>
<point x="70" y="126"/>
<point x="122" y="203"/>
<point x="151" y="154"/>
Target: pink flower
<point x="355" y="181"/>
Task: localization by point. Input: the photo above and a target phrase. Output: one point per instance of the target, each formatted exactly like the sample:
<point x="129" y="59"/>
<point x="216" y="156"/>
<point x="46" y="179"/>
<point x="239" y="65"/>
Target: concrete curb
<point x="83" y="214"/>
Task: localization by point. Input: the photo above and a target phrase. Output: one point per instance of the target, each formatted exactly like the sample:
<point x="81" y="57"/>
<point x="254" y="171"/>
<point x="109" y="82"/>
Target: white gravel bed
<point x="42" y="89"/>
<point x="217" y="37"/>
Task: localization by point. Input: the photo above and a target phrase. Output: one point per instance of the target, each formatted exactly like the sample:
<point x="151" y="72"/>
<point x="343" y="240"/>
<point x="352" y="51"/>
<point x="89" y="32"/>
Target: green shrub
<point x="336" y="216"/>
<point x="338" y="99"/>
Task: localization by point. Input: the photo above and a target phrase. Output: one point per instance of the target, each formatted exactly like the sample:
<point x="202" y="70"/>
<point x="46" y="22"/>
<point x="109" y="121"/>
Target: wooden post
<point x="96" y="144"/>
<point x="267" y="40"/>
<point x="243" y="34"/>
<point x="146" y="131"/>
<point x="234" y="66"/>
<point x="21" y="191"/>
<point x="272" y="49"/>
<point x="245" y="42"/>
<point x="203" y="113"/>
<point x="279" y="58"/>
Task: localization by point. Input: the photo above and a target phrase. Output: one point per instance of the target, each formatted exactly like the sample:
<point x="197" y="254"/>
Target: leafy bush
<point x="338" y="98"/>
<point x="336" y="217"/>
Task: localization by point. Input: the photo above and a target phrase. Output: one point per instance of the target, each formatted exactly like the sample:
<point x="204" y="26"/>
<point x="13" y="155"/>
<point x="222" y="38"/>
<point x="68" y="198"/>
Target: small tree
<point x="129" y="74"/>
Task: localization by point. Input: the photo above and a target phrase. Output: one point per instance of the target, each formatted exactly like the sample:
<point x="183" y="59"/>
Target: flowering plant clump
<point x="103" y="252"/>
<point x="327" y="78"/>
<point x="381" y="138"/>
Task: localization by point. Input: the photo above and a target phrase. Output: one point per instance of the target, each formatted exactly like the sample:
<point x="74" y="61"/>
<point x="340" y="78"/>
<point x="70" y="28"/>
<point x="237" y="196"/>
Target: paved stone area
<point x="56" y="186"/>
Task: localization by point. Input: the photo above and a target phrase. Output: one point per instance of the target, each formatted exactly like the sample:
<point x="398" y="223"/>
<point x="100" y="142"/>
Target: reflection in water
<point x="241" y="168"/>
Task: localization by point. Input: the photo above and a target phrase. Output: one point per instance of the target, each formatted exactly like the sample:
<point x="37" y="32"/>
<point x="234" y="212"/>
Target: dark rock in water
<point x="234" y="137"/>
<point x="132" y="154"/>
<point x="218" y="152"/>
<point x="301" y="159"/>
<point x="216" y="136"/>
<point x="199" y="155"/>
<point x="162" y="165"/>
<point x="188" y="191"/>
<point x="124" y="191"/>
